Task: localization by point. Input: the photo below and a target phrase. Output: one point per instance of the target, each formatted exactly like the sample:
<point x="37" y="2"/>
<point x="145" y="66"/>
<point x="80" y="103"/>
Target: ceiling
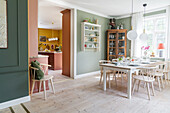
<point x="49" y="10"/>
<point x="49" y="13"/>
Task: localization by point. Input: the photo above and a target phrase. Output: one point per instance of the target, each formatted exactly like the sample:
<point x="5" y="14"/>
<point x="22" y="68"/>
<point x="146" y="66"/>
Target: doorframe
<point x="73" y="41"/>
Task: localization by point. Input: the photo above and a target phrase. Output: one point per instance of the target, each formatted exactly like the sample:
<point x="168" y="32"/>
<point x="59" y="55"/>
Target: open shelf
<point x="90" y="36"/>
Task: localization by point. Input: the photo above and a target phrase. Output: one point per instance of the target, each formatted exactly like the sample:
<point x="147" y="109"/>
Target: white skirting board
<point x="87" y="74"/>
<point x="14" y="102"/>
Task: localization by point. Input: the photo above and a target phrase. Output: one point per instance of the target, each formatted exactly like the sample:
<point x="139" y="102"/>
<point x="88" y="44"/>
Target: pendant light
<point x="132" y="34"/>
<point x="144" y="36"/>
<point x="52" y="38"/>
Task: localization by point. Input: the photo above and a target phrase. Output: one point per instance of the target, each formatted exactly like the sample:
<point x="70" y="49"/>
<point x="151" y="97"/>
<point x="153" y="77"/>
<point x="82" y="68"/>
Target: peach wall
<point x="33" y="27"/>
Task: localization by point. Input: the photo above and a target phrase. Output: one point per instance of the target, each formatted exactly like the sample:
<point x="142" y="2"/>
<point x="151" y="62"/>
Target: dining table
<point x="129" y="69"/>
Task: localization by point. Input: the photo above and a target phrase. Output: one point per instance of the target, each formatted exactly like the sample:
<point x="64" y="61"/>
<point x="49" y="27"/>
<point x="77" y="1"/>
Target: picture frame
<point x="43" y="38"/>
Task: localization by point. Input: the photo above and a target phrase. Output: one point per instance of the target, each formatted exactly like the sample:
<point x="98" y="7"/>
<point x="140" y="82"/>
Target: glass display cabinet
<point x="116" y="43"/>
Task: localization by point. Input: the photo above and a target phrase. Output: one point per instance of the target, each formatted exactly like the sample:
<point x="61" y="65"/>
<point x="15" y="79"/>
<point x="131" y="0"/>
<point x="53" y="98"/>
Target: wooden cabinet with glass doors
<point x="116" y="43"/>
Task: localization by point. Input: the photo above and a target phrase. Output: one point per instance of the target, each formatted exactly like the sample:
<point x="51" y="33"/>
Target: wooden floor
<point x="85" y="95"/>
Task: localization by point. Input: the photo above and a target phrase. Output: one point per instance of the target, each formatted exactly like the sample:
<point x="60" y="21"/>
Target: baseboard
<point x="14" y="102"/>
<point x="87" y="74"/>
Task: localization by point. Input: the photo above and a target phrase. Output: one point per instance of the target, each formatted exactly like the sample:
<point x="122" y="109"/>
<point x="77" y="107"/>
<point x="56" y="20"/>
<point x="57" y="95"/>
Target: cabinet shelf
<point x="90" y="39"/>
<point x="91" y="30"/>
<point x="90" y="36"/>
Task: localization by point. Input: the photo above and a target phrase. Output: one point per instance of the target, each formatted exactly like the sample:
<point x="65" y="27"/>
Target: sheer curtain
<point x="168" y="33"/>
<point x="137" y="23"/>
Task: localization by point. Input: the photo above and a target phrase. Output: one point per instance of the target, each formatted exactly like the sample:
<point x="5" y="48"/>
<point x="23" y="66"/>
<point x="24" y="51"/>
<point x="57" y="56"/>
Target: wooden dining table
<point x="126" y="69"/>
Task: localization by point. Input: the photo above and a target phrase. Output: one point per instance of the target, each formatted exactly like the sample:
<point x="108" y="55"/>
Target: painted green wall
<point x="89" y="61"/>
<point x="127" y="25"/>
<point x="14" y="60"/>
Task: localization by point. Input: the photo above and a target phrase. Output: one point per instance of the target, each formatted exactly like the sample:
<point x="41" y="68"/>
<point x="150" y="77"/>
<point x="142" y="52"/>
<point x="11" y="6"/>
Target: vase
<point x="145" y="53"/>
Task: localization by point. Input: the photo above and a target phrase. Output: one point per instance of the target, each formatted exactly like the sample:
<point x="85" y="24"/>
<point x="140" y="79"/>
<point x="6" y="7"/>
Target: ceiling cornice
<point x="71" y="6"/>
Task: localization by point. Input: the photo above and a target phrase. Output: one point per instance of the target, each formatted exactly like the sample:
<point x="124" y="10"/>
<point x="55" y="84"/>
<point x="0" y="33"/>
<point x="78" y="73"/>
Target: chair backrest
<point x="43" y="67"/>
<point x="103" y="62"/>
<point x="167" y="65"/>
<point x="148" y="72"/>
<point x="160" y="66"/>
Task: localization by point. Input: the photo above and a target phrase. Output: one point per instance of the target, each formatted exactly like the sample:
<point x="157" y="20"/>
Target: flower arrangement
<point x="145" y="50"/>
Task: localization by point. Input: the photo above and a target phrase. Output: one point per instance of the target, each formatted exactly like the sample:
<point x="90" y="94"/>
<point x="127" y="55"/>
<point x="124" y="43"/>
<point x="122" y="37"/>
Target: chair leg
<point x="162" y="81"/>
<point x="40" y="86"/>
<point x="165" y="74"/>
<point x="133" y="88"/>
<point x="168" y="77"/>
<point x="52" y="85"/>
<point x="115" y="79"/>
<point x="44" y="90"/>
<point x="148" y="89"/>
<point x="109" y="80"/>
<point x="33" y="84"/>
<point x="159" y="84"/>
<point x="122" y="78"/>
<point x="153" y="91"/>
<point x="100" y="78"/>
<point x="144" y="85"/>
<point x="138" y="85"/>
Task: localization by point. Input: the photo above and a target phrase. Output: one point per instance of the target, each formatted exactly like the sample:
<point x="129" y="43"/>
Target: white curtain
<point x="137" y="23"/>
<point x="168" y="32"/>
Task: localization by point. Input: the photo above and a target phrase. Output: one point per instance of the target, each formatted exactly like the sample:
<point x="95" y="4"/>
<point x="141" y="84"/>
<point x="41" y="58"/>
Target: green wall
<point x="89" y="61"/>
<point x="127" y="25"/>
<point x="14" y="60"/>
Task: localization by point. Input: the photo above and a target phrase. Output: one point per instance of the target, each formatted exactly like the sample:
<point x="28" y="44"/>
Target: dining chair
<point x="108" y="72"/>
<point x="49" y="78"/>
<point x="166" y="71"/>
<point x="118" y="74"/>
<point x="160" y="74"/>
<point x="146" y="75"/>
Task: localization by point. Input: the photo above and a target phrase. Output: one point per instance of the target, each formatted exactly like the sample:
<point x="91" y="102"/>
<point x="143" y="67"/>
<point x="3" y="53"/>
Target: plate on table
<point x="145" y="63"/>
<point x="114" y="63"/>
<point x="133" y="65"/>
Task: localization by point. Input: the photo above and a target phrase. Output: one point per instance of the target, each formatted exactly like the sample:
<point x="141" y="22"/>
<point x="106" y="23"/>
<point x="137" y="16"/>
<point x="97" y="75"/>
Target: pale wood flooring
<point x="85" y="95"/>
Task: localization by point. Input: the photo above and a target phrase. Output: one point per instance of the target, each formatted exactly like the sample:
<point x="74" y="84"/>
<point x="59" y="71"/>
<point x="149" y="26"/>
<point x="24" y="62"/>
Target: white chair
<point x="159" y="75"/>
<point x="166" y="71"/>
<point x="49" y="78"/>
<point x="108" y="72"/>
<point x="145" y="75"/>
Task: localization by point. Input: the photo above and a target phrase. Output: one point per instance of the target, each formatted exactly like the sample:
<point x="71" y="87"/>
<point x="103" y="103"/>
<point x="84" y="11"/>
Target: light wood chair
<point x="118" y="74"/>
<point x="159" y="75"/>
<point x="166" y="71"/>
<point x="49" y="78"/>
<point x="145" y="75"/>
<point x="108" y="72"/>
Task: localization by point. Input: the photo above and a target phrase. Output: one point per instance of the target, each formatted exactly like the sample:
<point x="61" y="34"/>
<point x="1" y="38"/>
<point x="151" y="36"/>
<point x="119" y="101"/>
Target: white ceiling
<point x="49" y="10"/>
<point x="117" y="7"/>
<point x="48" y="13"/>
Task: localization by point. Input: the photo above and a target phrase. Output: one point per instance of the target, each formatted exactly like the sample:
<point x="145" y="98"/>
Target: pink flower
<point x="142" y="47"/>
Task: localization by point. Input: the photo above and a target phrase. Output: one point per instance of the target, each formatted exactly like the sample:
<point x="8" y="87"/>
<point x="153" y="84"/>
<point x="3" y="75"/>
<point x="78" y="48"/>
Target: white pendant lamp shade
<point x="132" y="35"/>
<point x="143" y="37"/>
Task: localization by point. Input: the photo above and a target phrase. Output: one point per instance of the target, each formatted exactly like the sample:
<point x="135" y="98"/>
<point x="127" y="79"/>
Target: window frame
<point x="154" y="32"/>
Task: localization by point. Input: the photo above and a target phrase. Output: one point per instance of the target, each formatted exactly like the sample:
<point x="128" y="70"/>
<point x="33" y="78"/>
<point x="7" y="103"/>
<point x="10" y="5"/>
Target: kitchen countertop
<point x="48" y="52"/>
<point x="39" y="56"/>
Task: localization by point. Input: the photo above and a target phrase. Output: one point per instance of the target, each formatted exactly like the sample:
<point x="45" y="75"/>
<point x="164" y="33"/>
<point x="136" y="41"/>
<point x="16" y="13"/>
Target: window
<point x="156" y="30"/>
